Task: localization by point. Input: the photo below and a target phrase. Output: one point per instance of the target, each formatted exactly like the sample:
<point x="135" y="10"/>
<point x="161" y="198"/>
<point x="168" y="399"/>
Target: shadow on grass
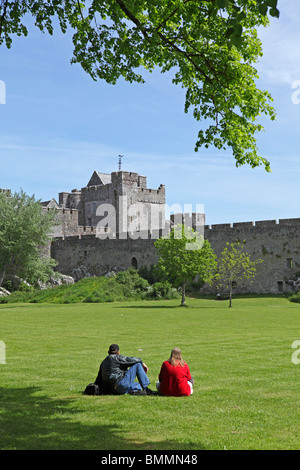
<point x="148" y="306"/>
<point x="180" y="307"/>
<point x="15" y="305"/>
<point x="32" y="422"/>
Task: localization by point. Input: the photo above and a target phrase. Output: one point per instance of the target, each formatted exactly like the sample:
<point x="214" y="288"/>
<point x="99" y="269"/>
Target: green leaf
<point x="274" y="12"/>
<point x="272" y="3"/>
<point x="221" y="4"/>
<point x="263" y="9"/>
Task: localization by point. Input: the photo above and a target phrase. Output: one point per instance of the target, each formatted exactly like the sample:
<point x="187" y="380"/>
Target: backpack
<point x="92" y="389"/>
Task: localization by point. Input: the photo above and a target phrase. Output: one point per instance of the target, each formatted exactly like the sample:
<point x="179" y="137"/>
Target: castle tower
<point x="117" y="203"/>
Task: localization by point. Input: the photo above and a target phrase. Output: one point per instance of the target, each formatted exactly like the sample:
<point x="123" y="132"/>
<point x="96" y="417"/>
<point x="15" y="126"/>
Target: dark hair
<point x="113" y="349"/>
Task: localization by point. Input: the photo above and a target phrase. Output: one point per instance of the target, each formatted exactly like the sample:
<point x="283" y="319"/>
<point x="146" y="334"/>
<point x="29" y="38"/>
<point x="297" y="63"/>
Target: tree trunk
<point x="2" y="275"/>
<point x="230" y="294"/>
<point x="183" y="295"/>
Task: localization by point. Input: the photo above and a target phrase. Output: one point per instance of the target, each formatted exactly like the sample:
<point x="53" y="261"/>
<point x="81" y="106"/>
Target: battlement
<point x="160" y="189"/>
<point x="96" y="192"/>
<point x="62" y="211"/>
<point x="96" y="187"/>
<point x="125" y="175"/>
<point x="90" y="233"/>
<point x="290" y="222"/>
<point x="260" y="224"/>
<point x="83" y="234"/>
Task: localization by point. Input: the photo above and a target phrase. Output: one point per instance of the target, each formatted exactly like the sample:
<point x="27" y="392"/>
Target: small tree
<point x="24" y="231"/>
<point x="234" y="265"/>
<point x="183" y="256"/>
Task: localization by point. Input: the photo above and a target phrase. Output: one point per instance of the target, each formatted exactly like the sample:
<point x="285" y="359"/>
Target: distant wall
<point x="275" y="242"/>
<point x="90" y="256"/>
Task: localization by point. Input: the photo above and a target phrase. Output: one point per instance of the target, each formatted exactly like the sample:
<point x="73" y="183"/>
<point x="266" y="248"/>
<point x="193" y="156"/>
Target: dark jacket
<point x="112" y="370"/>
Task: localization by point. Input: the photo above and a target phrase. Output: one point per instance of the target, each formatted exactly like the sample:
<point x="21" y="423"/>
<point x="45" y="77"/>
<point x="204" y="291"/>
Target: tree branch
<point x="3" y="16"/>
<point x="163" y="23"/>
<point x="133" y="18"/>
<point x="186" y="55"/>
<point x="165" y="40"/>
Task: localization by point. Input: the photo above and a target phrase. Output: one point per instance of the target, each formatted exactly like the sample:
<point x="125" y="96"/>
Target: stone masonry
<point x="83" y="249"/>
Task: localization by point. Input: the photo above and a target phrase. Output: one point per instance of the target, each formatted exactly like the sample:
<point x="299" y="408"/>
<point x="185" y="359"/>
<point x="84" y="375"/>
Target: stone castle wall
<point x="67" y="224"/>
<point x="276" y="243"/>
<point x="88" y="255"/>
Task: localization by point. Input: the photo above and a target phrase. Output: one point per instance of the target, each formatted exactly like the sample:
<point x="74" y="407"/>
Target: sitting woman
<point x="175" y="378"/>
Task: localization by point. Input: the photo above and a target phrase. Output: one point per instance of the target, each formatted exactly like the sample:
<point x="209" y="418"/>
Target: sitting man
<point x="117" y="374"/>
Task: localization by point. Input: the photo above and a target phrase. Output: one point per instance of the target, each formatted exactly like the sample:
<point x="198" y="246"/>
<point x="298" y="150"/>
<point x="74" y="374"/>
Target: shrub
<point x="162" y="290"/>
<point x="150" y="274"/>
<point x="8" y="285"/>
<point x="24" y="287"/>
<point x="133" y="284"/>
<point x="295" y="298"/>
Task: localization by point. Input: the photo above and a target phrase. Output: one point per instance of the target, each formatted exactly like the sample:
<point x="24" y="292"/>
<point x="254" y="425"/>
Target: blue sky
<point x="57" y="126"/>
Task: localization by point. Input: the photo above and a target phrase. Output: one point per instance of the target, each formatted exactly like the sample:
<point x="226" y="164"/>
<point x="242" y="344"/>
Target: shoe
<point x="149" y="392"/>
<point x="138" y="393"/>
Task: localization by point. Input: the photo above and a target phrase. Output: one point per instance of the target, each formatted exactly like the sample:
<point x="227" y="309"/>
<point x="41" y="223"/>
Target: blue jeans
<point x="128" y="384"/>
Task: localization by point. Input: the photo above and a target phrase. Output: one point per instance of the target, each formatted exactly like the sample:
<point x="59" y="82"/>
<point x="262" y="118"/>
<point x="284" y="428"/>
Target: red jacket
<point x="174" y="380"/>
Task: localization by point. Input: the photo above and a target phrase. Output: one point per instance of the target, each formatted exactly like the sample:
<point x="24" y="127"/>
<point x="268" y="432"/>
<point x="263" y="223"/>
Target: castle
<point x="113" y="222"/>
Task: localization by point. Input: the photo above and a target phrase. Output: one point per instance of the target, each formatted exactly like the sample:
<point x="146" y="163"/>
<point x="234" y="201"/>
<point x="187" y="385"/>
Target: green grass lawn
<point x="246" y="392"/>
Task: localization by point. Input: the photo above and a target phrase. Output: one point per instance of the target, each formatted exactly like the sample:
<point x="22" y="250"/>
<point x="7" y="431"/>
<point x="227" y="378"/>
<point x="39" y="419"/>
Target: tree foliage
<point x="210" y="45"/>
<point x="183" y="256"/>
<point x="233" y="266"/>
<point x="24" y="231"/>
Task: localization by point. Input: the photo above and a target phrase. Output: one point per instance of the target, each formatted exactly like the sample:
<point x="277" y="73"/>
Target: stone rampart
<point x="89" y="255"/>
<point x="277" y="243"/>
<point x="85" y="252"/>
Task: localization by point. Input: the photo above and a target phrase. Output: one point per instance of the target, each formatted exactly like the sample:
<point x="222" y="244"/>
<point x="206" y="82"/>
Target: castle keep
<point x="112" y="223"/>
<point x="103" y="190"/>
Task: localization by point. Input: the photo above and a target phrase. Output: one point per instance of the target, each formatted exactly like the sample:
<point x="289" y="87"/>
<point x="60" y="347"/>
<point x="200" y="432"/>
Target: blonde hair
<point x="176" y="358"/>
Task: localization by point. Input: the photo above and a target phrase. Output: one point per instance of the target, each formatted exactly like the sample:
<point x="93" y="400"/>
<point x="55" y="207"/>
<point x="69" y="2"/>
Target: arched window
<point x="134" y="263"/>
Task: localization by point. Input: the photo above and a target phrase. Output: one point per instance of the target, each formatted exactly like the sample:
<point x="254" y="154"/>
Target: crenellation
<point x="142" y="182"/>
<point x="83" y="230"/>
<point x="243" y="225"/>
<point x="289" y="222"/>
<point x="88" y="236"/>
<point x="220" y="227"/>
<point x="72" y="237"/>
<point x="85" y="242"/>
<point x="266" y="223"/>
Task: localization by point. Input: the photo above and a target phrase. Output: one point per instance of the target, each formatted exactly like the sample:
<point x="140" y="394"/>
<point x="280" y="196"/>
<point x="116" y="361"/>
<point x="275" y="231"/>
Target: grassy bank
<point x="125" y="285"/>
